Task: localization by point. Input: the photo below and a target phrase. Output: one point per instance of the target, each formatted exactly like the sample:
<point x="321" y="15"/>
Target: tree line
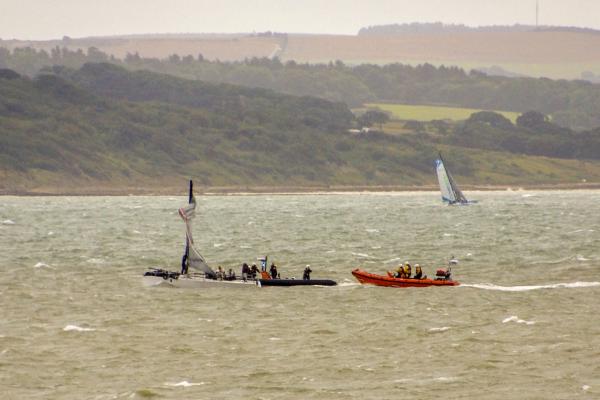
<point x="572" y="104"/>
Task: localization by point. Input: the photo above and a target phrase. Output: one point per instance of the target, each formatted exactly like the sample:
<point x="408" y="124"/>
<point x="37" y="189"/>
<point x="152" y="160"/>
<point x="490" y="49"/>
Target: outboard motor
<point x="443" y="274"/>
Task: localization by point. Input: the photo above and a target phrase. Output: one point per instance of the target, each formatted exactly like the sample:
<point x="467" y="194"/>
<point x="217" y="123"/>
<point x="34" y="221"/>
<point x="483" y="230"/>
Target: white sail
<point x="445" y="183"/>
<point x="194" y="258"/>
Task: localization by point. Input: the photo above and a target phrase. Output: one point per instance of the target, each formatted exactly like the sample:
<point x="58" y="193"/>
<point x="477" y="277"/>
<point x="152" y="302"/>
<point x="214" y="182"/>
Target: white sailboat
<point x="204" y="276"/>
<point x="451" y="194"/>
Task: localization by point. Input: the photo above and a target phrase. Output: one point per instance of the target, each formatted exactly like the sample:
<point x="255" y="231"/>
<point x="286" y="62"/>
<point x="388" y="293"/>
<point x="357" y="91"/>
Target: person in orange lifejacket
<point x="400" y="271"/>
<point x="407" y="270"/>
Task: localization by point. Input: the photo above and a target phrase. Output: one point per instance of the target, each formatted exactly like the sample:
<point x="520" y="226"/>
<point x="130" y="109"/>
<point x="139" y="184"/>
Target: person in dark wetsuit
<point x="245" y="271"/>
<point x="253" y="271"/>
<point x="273" y="271"/>
<point x="184" y="265"/>
<point x="231" y="275"/>
<point x="306" y="275"/>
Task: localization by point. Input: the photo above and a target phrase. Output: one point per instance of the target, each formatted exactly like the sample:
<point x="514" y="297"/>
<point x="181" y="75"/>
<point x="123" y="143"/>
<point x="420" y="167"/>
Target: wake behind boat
<point x="451" y="194"/>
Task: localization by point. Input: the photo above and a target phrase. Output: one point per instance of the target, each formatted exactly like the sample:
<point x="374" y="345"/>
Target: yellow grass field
<point x="553" y="54"/>
<point x="428" y="113"/>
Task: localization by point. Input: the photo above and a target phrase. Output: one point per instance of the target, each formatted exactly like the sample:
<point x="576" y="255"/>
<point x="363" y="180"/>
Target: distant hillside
<point x="572" y="104"/>
<point x="553" y="52"/>
<point x="102" y="129"/>
<point x="439" y="27"/>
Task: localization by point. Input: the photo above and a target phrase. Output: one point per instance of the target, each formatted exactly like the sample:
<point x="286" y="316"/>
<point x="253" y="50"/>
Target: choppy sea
<point x="77" y="323"/>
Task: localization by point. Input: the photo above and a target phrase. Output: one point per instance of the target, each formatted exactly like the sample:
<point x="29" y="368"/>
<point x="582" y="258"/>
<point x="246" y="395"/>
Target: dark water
<point x="76" y="322"/>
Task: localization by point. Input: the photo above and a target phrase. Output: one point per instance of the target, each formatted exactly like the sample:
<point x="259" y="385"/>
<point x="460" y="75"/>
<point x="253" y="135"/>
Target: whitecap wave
<point x="77" y="328"/>
<point x="185" y="384"/>
<point x="363" y="255"/>
<point x="514" y="318"/>
<point x="42" y="265"/>
<point x="572" y="285"/>
<point x="440" y="329"/>
<point x="445" y="379"/>
<point x="557" y="261"/>
<point x="392" y="260"/>
<point x="372" y="230"/>
<point x="581" y="258"/>
<point x="8" y="222"/>
<point x="96" y="261"/>
<point x="274" y="339"/>
<point x="345" y="284"/>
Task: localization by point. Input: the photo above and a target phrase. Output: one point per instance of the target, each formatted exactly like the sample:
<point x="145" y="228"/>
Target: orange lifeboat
<point x="367" y="278"/>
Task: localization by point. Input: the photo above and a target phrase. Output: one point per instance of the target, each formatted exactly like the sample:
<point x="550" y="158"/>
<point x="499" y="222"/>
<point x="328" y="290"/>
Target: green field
<point x="428" y="113"/>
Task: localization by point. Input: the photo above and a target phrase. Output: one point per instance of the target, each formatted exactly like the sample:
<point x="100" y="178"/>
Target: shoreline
<point x="282" y="190"/>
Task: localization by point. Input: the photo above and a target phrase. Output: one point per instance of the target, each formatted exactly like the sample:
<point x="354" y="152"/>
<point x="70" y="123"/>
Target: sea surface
<point x="77" y="323"/>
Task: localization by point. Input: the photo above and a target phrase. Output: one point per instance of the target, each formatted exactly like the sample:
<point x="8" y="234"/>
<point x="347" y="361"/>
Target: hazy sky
<point x="47" y="19"/>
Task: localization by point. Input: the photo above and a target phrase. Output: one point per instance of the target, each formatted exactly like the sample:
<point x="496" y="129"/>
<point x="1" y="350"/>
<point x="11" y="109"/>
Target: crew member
<point x="231" y="275"/>
<point x="307" y="272"/>
<point x="418" y="272"/>
<point x="245" y="271"/>
<point x="273" y="271"/>
<point x="407" y="270"/>
<point x="400" y="271"/>
<point x="253" y="271"/>
<point x="184" y="264"/>
<point x="448" y="274"/>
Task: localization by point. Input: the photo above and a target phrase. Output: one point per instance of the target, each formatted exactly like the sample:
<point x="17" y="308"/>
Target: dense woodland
<point x="573" y="104"/>
<point x="51" y="128"/>
<point x="105" y="123"/>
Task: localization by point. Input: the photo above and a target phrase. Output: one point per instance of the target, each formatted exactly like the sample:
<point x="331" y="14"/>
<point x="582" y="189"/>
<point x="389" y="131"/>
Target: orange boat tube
<point x="367" y="278"/>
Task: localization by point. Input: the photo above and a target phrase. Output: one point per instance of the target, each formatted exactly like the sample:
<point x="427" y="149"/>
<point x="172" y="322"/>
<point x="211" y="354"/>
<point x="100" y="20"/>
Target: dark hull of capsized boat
<point x="297" y="282"/>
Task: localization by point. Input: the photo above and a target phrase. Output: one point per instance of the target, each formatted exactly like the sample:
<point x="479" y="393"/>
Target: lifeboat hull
<point x="367" y="278"/>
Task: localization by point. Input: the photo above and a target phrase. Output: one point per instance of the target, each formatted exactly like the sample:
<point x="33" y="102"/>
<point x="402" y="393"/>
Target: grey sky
<point x="47" y="19"/>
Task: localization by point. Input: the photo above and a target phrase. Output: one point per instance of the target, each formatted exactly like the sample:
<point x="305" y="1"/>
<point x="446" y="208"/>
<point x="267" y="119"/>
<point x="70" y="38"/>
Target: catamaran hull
<point x="196" y="283"/>
<point x="367" y="278"/>
<point x="467" y="203"/>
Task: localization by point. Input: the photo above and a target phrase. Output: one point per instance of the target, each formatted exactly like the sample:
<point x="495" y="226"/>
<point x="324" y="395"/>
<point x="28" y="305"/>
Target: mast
<point x="187" y="240"/>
